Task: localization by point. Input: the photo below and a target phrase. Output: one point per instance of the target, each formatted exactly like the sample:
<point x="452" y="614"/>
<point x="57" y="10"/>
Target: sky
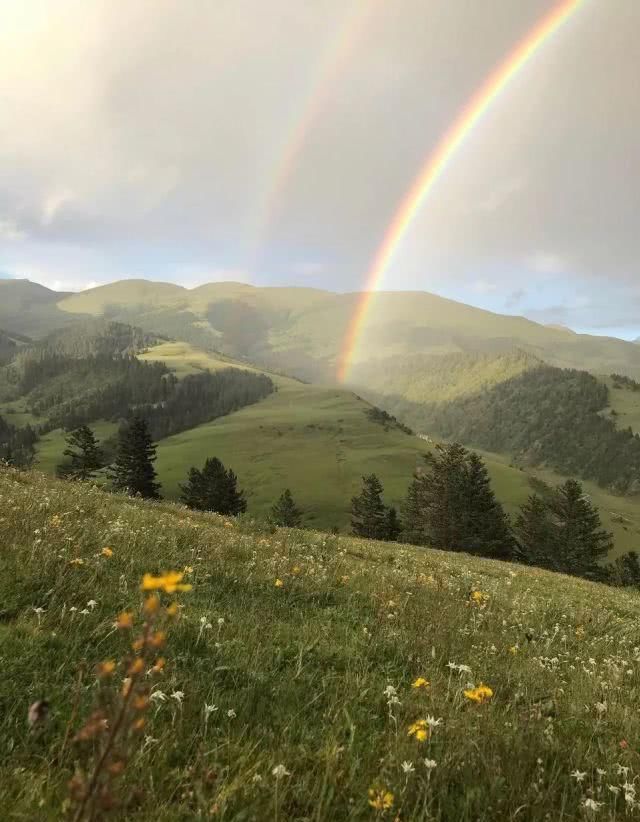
<point x="272" y="142"/>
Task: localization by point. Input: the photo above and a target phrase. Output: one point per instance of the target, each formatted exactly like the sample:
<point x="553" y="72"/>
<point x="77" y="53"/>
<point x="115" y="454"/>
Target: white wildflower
<point x="430" y="764"/>
<point x="209" y="709"/>
<point x="231" y="713"/>
<point x="407" y="767"/>
<point x="591" y="804"/>
<point x="91" y="604"/>
<point x="279" y="771"/>
<point x="178" y="696"/>
<point x="157" y="696"/>
<point x="578" y="775"/>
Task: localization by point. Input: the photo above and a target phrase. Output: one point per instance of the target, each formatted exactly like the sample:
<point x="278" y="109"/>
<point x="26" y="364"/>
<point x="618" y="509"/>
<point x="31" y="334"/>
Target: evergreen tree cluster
<point x="370" y="517"/>
<point x="213" y="488"/>
<point x="285" y="512"/>
<point x="620" y="381"/>
<point x="17" y="444"/>
<point x="133" y="471"/>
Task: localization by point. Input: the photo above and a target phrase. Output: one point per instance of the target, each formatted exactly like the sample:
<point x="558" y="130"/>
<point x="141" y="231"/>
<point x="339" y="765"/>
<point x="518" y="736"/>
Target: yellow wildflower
<point x="172" y="610"/>
<point x="420" y="682"/>
<point x="136" y="667"/>
<point x="169" y="582"/>
<point x="141" y="702"/>
<point x="125" y="620"/>
<point x="188" y="569"/>
<point x="76" y="561"/>
<point x="158" y="639"/>
<point x="419" y="729"/>
<point x="513" y="649"/>
<point x="380" y="799"/>
<point x="151" y="604"/>
<point x="138" y="644"/>
<point x="107" y="552"/>
<point x="296" y="569"/>
<point x="479" y="597"/>
<point x="580" y="632"/>
<point x="344" y="579"/>
<point x="279" y="583"/>
<point x="159" y="664"/>
<point x="106" y="668"/>
<point x="480" y="694"/>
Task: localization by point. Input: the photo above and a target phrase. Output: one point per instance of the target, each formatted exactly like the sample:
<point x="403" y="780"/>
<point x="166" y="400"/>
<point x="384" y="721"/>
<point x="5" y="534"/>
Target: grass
<point x="50" y="447"/>
<point x="626" y="404"/>
<point x="303" y="674"/>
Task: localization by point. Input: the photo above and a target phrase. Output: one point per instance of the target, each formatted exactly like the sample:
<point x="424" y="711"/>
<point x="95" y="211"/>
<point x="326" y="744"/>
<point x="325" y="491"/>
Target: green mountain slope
<point x="302" y="330"/>
<point x="300" y="674"/>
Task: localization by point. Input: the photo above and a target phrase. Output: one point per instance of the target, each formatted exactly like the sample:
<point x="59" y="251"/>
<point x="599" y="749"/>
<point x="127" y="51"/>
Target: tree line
<point x="450" y="505"/>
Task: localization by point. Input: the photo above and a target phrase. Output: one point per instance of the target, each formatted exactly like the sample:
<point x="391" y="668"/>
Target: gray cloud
<point x="143" y="138"/>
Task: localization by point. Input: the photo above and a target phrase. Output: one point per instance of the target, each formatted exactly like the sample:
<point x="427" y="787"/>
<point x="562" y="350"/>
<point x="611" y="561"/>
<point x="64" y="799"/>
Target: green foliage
<point x="393" y="526"/>
<point x="85" y="455"/>
<point x="17" y="444"/>
<point x="385" y="419"/>
<point x="214" y="488"/>
<point x="133" y="470"/>
<point x="536" y="534"/>
<point x="450" y="505"/>
<point x="369" y="516"/>
<point x="285" y="512"/>
<point x="625" y="570"/>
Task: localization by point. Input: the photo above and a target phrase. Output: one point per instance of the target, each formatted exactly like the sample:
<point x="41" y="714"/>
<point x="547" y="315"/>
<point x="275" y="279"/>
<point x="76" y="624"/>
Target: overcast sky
<point x="273" y="140"/>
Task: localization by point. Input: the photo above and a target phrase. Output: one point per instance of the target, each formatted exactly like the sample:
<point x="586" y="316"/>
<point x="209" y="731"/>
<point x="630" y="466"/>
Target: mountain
<point x="30" y="309"/>
<point x="301" y="330"/>
<point x="282" y="664"/>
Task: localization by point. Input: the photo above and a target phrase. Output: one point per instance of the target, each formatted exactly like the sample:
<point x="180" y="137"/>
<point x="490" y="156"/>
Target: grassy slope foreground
<point x="301" y="674"/>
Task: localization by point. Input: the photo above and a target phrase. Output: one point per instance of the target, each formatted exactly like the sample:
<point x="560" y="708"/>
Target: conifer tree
<point x="234" y="499"/>
<point x="285" y="512"/>
<point x="625" y="570"/>
<point x="368" y="513"/>
<point x="536" y="534"/>
<point x="393" y="525"/>
<point x="85" y="455"/>
<point x="582" y="542"/>
<point x="213" y="489"/>
<point x="133" y="470"/>
<point x="487" y="529"/>
<point x="413" y="513"/>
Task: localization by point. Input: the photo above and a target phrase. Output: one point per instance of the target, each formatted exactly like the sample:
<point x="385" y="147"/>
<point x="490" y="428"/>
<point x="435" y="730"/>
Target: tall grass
<point x="292" y="681"/>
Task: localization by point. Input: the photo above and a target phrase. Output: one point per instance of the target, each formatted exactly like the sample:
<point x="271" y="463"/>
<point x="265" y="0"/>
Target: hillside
<point x="320" y="442"/>
<point x="305" y="648"/>
<point x="301" y="331"/>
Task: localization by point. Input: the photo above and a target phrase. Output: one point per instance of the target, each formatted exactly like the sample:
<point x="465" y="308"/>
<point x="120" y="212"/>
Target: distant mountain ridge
<point x="301" y="330"/>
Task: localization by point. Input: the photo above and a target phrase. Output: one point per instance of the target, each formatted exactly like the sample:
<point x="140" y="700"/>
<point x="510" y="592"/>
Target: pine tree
<point x="393" y="526"/>
<point x="368" y="513"/>
<point x="85" y="455"/>
<point x="413" y="513"/>
<point x="487" y="530"/>
<point x="133" y="470"/>
<point x="581" y="542"/>
<point x="213" y="489"/>
<point x="536" y="534"/>
<point x="285" y="512"/>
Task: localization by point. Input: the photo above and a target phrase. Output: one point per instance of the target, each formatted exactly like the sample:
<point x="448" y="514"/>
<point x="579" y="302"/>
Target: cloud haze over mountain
<point x="274" y="141"/>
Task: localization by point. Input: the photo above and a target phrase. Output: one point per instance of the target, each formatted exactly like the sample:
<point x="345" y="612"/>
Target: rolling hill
<point x="301" y="331"/>
<point x="299" y="670"/>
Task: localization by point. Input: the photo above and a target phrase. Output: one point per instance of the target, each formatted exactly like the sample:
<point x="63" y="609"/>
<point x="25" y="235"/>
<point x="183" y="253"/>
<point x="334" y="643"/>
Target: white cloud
<point x="547" y="263"/>
<point x="10" y="231"/>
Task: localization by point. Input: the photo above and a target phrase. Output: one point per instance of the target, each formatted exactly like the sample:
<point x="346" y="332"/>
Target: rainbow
<point x="439" y="159"/>
<point x="336" y="56"/>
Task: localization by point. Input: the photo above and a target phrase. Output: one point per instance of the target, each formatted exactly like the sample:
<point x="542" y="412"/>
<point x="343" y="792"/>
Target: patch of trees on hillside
<point x="17" y="444"/>
<point x="620" y="381"/>
<point x="547" y="416"/>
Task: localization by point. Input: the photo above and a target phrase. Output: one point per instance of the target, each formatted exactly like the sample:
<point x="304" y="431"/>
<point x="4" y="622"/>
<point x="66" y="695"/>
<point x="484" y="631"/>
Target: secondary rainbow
<point x="439" y="159"/>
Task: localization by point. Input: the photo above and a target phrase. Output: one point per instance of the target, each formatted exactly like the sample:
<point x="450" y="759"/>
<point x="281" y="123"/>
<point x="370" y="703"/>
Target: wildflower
<point x="390" y="691"/>
<point x="419" y="729"/>
<point x="407" y="767"/>
<point x="209" y="709"/>
<point x="480" y="694"/>
<point x="615" y="790"/>
<point x="178" y="696"/>
<point x="169" y="582"/>
<point x="601" y="707"/>
<point x="578" y="775"/>
<point x="279" y="771"/>
<point x="158" y="696"/>
<point x="125" y="620"/>
<point x="136" y="667"/>
<point x="138" y="644"/>
<point x="256" y="779"/>
<point x="591" y="804"/>
<point x="158" y="639"/>
<point x="159" y="665"/>
<point x="380" y="799"/>
<point x="172" y="610"/>
<point x="188" y="569"/>
<point x="479" y="597"/>
<point x="91" y="604"/>
<point x="151" y="604"/>
<point x="430" y="764"/>
<point x="432" y="722"/>
<point x="141" y="702"/>
<point x="231" y="713"/>
<point x="420" y="682"/>
<point x="106" y="668"/>
<point x="296" y="569"/>
<point x="513" y="649"/>
<point x="76" y="561"/>
<point x="279" y="583"/>
<point x="107" y="552"/>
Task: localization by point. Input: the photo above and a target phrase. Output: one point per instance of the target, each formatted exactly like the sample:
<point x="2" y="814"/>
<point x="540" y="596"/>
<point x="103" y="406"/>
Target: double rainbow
<point x="439" y="159"/>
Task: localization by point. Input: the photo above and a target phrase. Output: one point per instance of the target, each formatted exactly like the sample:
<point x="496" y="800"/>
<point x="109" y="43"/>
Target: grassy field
<point x="288" y="687"/>
<point x="626" y="404"/>
<point x="319" y="442"/>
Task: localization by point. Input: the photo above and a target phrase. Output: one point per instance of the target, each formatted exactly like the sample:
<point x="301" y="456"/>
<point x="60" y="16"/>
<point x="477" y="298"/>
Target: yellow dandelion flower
<point x="420" y="682"/>
<point x="513" y="649"/>
<point x="125" y="620"/>
<point x="380" y="799"/>
<point x="480" y="694"/>
<point x="296" y="569"/>
<point x="107" y="552"/>
<point x="279" y="583"/>
<point x="188" y="569"/>
<point x="169" y="582"/>
<point x="479" y="597"/>
<point x="106" y="668"/>
<point x="419" y="730"/>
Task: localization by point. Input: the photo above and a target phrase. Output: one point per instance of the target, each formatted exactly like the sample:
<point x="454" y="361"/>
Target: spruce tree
<point x="625" y="570"/>
<point x="133" y="470"/>
<point x="443" y="497"/>
<point x="582" y="542"/>
<point x="368" y="513"/>
<point x="393" y="526"/>
<point x="413" y="513"/>
<point x="536" y="534"/>
<point x="192" y="492"/>
<point x="213" y="489"/>
<point x="85" y="455"/>
<point x="487" y="530"/>
<point x="285" y="512"/>
<point x="234" y="499"/>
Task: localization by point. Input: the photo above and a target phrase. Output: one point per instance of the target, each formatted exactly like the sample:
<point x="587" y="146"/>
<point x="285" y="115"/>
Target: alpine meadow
<point x="319" y="411"/>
